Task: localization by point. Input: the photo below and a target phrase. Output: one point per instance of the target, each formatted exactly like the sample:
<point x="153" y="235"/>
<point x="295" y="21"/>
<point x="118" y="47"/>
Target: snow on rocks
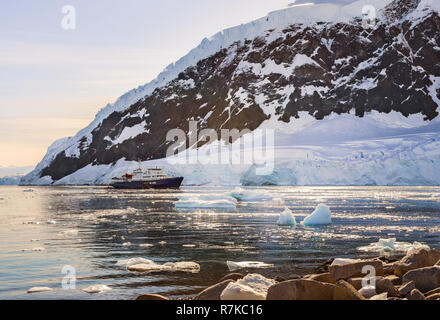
<point x="39" y="289"/>
<point x="321" y="216"/>
<point x="99" y="288"/>
<point x="251" y="287"/>
<point x="247" y="264"/>
<point x="287" y="218"/>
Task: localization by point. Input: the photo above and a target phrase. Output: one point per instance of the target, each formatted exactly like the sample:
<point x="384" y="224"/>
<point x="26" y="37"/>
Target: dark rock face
<point x="321" y="68"/>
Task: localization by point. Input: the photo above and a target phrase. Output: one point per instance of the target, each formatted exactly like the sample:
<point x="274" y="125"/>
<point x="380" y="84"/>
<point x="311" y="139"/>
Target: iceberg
<point x="230" y="203"/>
<point x="251" y="287"/>
<point x="141" y="265"/>
<point x="287" y="218"/>
<point x="321" y="216"/>
<point x="247" y="264"/>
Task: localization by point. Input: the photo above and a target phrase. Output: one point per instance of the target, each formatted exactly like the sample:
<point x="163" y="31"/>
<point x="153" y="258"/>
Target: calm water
<point x="93" y="224"/>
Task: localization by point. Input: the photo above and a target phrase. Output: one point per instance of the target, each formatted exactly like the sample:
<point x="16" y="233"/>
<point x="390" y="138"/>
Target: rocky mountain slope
<point x="331" y="89"/>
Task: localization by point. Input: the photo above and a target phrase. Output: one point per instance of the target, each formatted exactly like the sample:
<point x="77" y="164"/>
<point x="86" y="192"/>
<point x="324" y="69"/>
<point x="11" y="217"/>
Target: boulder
<point x="382" y="296"/>
<point x="323" y="277"/>
<point x="425" y="279"/>
<point x="354" y="269"/>
<point x="301" y="289"/>
<point x="415" y="295"/>
<point x="213" y="292"/>
<point x="346" y="291"/>
<point x="416" y="259"/>
<point x="433" y="297"/>
<point x="368" y="292"/>
<point x="151" y="297"/>
<point x="396" y="280"/>
<point x="231" y="276"/>
<point x="407" y="288"/>
<point x="388" y="269"/>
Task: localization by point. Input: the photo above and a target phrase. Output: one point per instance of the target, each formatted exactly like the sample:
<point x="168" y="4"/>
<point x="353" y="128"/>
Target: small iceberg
<point x="247" y="264"/>
<point x="321" y="216"/>
<point x="247" y="195"/>
<point x="287" y="218"/>
<point x="99" y="288"/>
<point x="391" y="246"/>
<point x="28" y="190"/>
<point x="251" y="287"/>
<point x="39" y="249"/>
<point x="51" y="222"/>
<point x="39" y="289"/>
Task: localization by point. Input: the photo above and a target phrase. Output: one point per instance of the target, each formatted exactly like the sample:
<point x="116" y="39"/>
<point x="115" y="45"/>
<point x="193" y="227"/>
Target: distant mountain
<point x="350" y="105"/>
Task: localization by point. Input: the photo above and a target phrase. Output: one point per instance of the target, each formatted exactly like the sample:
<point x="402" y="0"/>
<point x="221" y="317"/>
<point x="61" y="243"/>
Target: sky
<point x="53" y="81"/>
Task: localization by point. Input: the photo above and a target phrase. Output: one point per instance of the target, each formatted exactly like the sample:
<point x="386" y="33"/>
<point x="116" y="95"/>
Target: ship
<point x="153" y="178"/>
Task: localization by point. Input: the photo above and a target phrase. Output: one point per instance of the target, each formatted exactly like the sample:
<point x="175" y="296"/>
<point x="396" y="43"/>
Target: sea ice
<point x="391" y="247"/>
<point x="99" y="288"/>
<point x="39" y="289"/>
<point x="247" y="264"/>
<point x="321" y="216"/>
<point x="343" y="261"/>
<point x="51" y="222"/>
<point x="146" y="245"/>
<point x="287" y="218"/>
<point x="142" y="265"/>
<point x="126" y="244"/>
<point x="200" y="203"/>
<point x="251" y="287"/>
<point x="247" y="195"/>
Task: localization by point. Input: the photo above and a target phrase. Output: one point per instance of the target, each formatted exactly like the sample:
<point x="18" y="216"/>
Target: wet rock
<point x="323" y="268"/>
<point x="346" y="291"/>
<point x="396" y="280"/>
<point x="368" y="292"/>
<point x="429" y="293"/>
<point x="415" y="295"/>
<point x="151" y="297"/>
<point x="214" y="291"/>
<point x="301" y="289"/>
<point x="416" y="259"/>
<point x="407" y="288"/>
<point x="425" y="279"/>
<point x="232" y="276"/>
<point x="352" y="270"/>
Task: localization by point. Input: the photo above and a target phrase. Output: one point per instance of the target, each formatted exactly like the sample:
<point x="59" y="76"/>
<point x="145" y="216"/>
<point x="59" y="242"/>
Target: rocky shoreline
<point x="416" y="276"/>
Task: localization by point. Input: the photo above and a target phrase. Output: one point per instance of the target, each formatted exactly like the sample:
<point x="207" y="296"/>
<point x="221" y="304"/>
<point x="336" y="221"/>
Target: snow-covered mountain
<point x="349" y="105"/>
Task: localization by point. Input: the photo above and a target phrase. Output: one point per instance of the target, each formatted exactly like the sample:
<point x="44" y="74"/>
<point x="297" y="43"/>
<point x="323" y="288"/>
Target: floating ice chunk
<point x="147" y="266"/>
<point x="247" y="264"/>
<point x="28" y="190"/>
<point x="99" y="288"/>
<point x="146" y="245"/>
<point x="38" y="249"/>
<point x="229" y="203"/>
<point x="51" y="222"/>
<point x="133" y="261"/>
<point x="188" y="245"/>
<point x="248" y="195"/>
<point x="287" y="218"/>
<point x="392" y="247"/>
<point x="344" y="261"/>
<point x="162" y="243"/>
<point x="126" y="244"/>
<point x="321" y="216"/>
<point x="251" y="287"/>
<point x="39" y="289"/>
<point x="67" y="233"/>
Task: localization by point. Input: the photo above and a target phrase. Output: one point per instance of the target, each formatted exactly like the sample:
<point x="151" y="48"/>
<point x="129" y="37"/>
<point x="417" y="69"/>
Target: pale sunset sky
<point x="53" y="81"/>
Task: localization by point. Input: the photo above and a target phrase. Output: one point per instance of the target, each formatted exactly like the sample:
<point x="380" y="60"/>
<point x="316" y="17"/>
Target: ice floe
<point x="251" y="287"/>
<point x="242" y="195"/>
<point x="247" y="264"/>
<point x="142" y="265"/>
<point x="39" y="249"/>
<point x="391" y="246"/>
<point x="228" y="203"/>
<point x="321" y="216"/>
<point x="51" y="222"/>
<point x="39" y="289"/>
<point x="287" y="218"/>
<point x="146" y="245"/>
<point x="126" y="244"/>
<point x="344" y="261"/>
<point x="99" y="288"/>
